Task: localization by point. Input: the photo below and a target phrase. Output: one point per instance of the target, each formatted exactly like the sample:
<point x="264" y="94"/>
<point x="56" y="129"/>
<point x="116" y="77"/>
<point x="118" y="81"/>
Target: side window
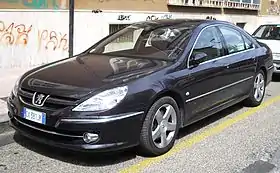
<point x="260" y="31"/>
<point x="209" y="43"/>
<point x="234" y="40"/>
<point x="248" y="43"/>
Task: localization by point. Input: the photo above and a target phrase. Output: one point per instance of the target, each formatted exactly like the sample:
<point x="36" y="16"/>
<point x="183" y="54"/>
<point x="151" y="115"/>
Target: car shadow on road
<point x="276" y="78"/>
<point x="111" y="158"/>
<point x="213" y="118"/>
<point x="208" y="120"/>
<point x="73" y="157"/>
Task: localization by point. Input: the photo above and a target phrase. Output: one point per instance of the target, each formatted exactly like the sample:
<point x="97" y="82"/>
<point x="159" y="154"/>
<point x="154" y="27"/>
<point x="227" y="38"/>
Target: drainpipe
<point x="222" y="8"/>
<point x="71" y="26"/>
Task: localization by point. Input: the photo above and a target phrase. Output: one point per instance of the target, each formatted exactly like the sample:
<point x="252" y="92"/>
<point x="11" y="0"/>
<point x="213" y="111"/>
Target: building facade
<point x="34" y="32"/>
<point x="270" y="7"/>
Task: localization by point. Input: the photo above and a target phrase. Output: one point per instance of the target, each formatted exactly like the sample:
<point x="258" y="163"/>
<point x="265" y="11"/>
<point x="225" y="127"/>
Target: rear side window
<point x="248" y="43"/>
<point x="234" y="40"/>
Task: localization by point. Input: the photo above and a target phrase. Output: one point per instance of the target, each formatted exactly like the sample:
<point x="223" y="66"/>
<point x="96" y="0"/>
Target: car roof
<point x="183" y="21"/>
<point x="270" y="24"/>
<point x="176" y="21"/>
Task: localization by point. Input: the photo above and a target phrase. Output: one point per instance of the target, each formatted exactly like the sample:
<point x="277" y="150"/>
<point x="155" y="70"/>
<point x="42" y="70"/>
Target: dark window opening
<point x="241" y="25"/>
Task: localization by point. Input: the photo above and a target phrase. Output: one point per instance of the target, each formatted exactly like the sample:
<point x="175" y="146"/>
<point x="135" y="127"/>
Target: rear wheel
<point x="160" y="127"/>
<point x="258" y="90"/>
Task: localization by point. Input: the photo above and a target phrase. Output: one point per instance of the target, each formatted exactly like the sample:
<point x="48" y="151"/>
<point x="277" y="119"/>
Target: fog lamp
<point x="90" y="137"/>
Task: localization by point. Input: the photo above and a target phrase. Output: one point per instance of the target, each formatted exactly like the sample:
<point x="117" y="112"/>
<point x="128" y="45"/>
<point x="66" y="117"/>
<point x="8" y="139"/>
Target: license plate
<point x="35" y="116"/>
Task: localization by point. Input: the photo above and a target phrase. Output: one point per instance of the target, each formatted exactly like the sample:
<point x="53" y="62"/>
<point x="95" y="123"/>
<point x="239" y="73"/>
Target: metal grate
<point x="52" y="103"/>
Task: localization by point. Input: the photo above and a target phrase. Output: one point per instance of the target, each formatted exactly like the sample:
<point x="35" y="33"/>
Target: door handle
<point x="253" y="58"/>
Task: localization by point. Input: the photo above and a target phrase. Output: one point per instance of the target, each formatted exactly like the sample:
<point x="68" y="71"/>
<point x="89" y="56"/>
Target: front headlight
<point x="103" y="101"/>
<point x="15" y="88"/>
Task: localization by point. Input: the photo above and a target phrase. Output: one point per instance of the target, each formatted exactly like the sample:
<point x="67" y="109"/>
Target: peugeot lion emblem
<point x="39" y="99"/>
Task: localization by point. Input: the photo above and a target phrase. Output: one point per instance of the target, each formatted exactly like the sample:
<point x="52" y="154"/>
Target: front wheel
<point x="160" y="127"/>
<point x="258" y="90"/>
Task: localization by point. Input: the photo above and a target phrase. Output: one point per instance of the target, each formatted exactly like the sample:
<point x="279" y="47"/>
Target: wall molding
<point x="83" y="10"/>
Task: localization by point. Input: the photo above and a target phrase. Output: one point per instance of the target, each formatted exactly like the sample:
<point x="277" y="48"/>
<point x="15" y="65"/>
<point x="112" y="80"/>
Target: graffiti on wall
<point x="154" y="17"/>
<point x="211" y="18"/>
<point x="51" y="40"/>
<point x="124" y="17"/>
<point x="14" y="34"/>
<point x="18" y="34"/>
<point x="34" y="4"/>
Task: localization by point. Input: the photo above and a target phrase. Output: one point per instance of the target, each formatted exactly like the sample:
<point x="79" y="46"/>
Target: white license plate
<point x="35" y="116"/>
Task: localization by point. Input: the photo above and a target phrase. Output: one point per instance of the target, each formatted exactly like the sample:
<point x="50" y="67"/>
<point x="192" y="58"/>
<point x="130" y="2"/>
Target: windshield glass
<point x="146" y="40"/>
<point x="268" y="32"/>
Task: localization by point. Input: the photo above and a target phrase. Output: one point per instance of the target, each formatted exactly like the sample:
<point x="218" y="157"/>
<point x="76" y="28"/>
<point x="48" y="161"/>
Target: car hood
<point x="76" y="77"/>
<point x="273" y="44"/>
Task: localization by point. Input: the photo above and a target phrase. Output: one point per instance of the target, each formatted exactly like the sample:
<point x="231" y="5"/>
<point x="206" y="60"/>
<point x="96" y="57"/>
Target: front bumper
<point x="115" y="133"/>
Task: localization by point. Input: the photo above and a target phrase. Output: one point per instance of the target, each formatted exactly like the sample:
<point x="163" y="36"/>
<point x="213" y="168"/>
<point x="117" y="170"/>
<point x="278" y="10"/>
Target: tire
<point x="157" y="147"/>
<point x="252" y="101"/>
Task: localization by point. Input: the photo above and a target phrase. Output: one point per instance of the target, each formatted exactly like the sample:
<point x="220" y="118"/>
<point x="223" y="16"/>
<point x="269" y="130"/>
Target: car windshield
<point x="148" y="39"/>
<point x="268" y="32"/>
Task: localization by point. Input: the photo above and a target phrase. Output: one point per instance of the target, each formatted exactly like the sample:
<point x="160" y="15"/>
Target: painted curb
<point x="4" y="118"/>
<point x="4" y="123"/>
<point x="6" y="131"/>
<point x="6" y="138"/>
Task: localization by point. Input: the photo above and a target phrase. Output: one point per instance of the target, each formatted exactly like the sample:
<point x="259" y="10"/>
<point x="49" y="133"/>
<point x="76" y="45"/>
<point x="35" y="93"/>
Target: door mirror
<point x="198" y="58"/>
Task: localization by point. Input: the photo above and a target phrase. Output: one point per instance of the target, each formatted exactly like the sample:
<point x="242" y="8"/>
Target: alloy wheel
<point x="259" y="85"/>
<point x="164" y="126"/>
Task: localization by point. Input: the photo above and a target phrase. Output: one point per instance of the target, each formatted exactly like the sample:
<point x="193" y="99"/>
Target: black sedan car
<point x="140" y="85"/>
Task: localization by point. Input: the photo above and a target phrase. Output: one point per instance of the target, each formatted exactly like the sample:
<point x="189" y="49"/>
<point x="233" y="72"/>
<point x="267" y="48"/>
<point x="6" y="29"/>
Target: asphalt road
<point x="238" y="140"/>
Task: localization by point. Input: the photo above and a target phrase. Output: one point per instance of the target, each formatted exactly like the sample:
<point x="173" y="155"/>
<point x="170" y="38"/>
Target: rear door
<point x="240" y="62"/>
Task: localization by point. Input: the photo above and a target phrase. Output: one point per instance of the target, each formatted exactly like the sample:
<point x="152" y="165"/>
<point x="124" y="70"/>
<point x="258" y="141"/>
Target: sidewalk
<point x="3" y="111"/>
<point x="8" y="78"/>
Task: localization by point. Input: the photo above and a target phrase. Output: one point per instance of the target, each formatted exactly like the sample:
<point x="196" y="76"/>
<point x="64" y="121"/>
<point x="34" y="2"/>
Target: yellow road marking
<point x="199" y="137"/>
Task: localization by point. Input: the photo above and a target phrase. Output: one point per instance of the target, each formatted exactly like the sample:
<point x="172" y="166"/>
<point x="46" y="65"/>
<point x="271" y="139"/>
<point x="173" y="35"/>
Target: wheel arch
<point x="177" y="97"/>
<point x="265" y="72"/>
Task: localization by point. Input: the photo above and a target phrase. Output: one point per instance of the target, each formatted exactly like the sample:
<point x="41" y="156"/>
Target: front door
<point x="202" y="87"/>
